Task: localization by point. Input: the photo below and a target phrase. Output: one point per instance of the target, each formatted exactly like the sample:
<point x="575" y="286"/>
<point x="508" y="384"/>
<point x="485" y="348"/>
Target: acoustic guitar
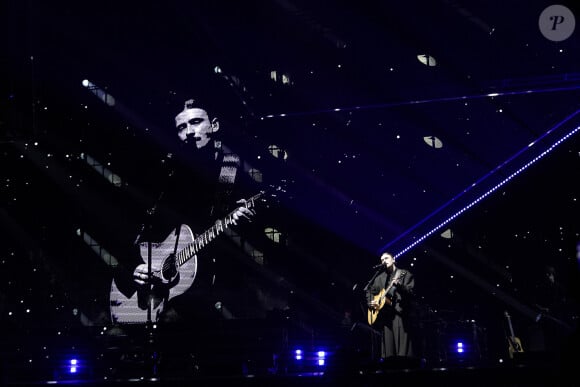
<point x="174" y="267"/>
<point x="514" y="343"/>
<point x="384" y="297"/>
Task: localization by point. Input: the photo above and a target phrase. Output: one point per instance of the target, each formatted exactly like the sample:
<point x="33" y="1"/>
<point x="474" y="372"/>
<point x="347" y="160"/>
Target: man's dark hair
<point x="197" y="103"/>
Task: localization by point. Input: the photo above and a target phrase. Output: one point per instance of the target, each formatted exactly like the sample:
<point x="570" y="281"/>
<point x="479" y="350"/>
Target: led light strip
<point x="481" y="197"/>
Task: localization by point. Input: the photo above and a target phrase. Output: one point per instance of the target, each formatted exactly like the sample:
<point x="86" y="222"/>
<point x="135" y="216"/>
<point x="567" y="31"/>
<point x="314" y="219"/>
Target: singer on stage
<point x="389" y="300"/>
<point x="200" y="194"/>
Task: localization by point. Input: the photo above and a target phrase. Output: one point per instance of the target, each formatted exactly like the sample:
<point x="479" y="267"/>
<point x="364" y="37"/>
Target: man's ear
<point x="215" y="125"/>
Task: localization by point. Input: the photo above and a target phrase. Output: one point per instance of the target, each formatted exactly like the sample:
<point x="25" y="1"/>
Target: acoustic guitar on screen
<point x="514" y="343"/>
<point x="174" y="267"/>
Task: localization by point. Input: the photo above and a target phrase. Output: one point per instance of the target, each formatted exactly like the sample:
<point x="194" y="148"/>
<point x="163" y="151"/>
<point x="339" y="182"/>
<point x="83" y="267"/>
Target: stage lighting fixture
<point x="307" y="361"/>
<point x="225" y="312"/>
<point x="73" y="366"/>
<point x="99" y="92"/>
<point x="298" y="354"/>
<point x="427" y="60"/>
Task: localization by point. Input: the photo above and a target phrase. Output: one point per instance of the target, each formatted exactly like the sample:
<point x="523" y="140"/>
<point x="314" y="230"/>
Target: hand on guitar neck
<point x="244" y="212"/>
<point x="173" y="266"/>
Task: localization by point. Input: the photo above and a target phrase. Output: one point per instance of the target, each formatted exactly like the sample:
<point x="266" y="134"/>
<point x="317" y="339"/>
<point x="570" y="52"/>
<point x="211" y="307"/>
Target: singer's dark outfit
<point x="393" y="320"/>
<point x="196" y="193"/>
<point x="196" y="189"/>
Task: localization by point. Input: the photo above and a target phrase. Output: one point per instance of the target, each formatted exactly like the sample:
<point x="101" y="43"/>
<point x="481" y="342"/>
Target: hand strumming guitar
<point x="141" y="272"/>
<point x="373" y="304"/>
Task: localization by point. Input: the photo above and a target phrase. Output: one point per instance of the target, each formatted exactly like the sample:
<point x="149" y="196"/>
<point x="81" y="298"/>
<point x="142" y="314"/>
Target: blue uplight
<point x="298" y="354"/>
<point x="73" y="366"/>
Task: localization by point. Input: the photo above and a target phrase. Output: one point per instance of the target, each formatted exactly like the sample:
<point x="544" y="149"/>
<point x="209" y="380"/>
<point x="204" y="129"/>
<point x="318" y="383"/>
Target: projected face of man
<point x="193" y="124"/>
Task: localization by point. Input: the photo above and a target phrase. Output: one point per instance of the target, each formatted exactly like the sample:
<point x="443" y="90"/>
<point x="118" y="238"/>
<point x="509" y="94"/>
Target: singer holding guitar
<point x="389" y="300"/>
<point x="170" y="274"/>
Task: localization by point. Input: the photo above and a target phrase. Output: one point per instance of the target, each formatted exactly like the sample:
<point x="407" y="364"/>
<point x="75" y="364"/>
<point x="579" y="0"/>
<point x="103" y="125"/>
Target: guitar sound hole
<point x="169" y="270"/>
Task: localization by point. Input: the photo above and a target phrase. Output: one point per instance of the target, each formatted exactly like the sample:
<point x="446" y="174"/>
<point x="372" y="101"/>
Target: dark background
<point x="355" y="120"/>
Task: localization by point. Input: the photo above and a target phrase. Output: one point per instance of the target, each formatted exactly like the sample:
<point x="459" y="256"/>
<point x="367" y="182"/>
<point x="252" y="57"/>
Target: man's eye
<point x="181" y="127"/>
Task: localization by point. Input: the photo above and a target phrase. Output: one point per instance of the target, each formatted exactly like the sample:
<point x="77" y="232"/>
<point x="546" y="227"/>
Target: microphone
<point x="378" y="266"/>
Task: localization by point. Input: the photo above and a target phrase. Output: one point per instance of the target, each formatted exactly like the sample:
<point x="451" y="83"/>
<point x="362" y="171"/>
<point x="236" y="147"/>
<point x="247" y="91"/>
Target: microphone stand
<point x="149" y="348"/>
<point x="372" y="330"/>
<point x="151" y="355"/>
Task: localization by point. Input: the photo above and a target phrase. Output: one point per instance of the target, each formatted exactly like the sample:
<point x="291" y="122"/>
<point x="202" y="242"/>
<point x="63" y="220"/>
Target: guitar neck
<point x="210" y="234"/>
<point x="509" y="320"/>
<point x="397" y="276"/>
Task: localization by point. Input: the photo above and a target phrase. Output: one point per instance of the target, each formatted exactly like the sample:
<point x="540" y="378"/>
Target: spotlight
<point x="298" y="354"/>
<point x="427" y="60"/>
<point x="73" y="366"/>
<point x="223" y="310"/>
<point x="308" y="361"/>
<point x="99" y="92"/>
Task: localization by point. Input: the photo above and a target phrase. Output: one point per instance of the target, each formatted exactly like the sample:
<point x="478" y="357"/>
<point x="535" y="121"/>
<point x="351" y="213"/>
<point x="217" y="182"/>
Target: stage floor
<point x="255" y="356"/>
<point x="527" y="371"/>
